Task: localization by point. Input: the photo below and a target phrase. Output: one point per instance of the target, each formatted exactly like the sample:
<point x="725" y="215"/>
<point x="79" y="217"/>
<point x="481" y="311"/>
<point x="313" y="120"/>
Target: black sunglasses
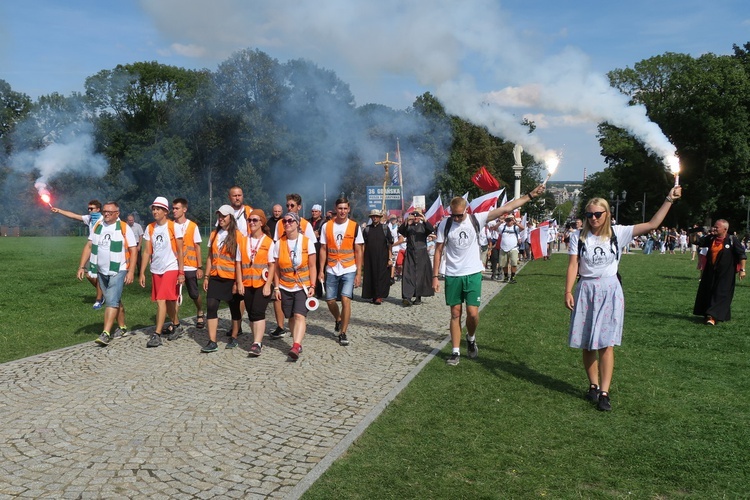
<point x="458" y="216"/>
<point x="595" y="215"/>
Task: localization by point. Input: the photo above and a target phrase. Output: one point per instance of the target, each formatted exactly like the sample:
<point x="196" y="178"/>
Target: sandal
<point x="200" y="321"/>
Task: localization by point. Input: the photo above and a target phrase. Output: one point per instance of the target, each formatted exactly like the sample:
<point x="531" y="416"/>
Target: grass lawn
<point x="44" y="307"/>
<point x="514" y="424"/>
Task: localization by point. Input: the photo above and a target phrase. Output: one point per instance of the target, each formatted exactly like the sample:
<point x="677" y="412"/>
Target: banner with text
<point x="375" y="196"/>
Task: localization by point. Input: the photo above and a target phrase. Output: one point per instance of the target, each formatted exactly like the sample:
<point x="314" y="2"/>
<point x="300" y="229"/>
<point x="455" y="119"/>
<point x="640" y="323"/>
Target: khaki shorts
<point x="510" y="256"/>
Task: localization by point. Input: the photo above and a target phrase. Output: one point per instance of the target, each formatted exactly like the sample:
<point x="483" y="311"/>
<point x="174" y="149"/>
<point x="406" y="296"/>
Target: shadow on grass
<point x="522" y="371"/>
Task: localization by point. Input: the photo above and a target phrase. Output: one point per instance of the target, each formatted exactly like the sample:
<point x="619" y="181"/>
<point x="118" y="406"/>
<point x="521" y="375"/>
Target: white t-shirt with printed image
<point x="600" y="259"/>
<point x="461" y="251"/>
<point x="163" y="258"/>
<point x="105" y="238"/>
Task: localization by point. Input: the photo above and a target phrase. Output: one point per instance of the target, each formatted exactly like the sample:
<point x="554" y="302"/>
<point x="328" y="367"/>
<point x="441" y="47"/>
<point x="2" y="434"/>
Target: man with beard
<point x="377" y="259"/>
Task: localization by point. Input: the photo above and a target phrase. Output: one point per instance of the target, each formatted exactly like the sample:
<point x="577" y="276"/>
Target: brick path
<point x="171" y="422"/>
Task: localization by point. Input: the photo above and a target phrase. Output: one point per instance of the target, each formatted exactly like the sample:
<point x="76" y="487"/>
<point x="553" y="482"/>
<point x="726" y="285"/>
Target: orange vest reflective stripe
<point x="344" y="254"/>
<point x="252" y="272"/>
<point x="172" y="239"/>
<point x="222" y="264"/>
<point x="188" y="245"/>
<point x="287" y="275"/>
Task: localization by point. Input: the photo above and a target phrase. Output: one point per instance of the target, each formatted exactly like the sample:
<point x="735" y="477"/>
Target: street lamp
<point x="747" y="217"/>
<point x="616" y="201"/>
<point x="643" y="207"/>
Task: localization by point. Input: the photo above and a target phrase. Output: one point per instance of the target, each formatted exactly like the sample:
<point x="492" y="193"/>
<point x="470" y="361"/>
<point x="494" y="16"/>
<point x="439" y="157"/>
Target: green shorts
<point x="460" y="289"/>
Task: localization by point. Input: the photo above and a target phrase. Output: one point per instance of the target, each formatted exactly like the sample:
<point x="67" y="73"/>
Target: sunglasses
<point x="91" y="209"/>
<point x="458" y="216"/>
<point x="595" y="215"/>
<point x="253" y="220"/>
<point x="289" y="221"/>
<point x="290" y="205"/>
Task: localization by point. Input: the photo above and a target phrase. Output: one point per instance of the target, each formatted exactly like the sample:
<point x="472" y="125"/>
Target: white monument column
<point x="517" y="168"/>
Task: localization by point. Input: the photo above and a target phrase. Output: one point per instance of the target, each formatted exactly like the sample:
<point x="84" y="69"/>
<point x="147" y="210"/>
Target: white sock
<point x="471" y="338"/>
<point x="457" y="350"/>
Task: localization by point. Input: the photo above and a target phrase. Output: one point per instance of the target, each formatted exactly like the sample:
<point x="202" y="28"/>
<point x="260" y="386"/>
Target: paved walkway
<point x="170" y="422"/>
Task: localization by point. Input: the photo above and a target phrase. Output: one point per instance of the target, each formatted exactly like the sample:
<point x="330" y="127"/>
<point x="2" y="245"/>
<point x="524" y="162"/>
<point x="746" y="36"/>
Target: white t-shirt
<point x="600" y="259"/>
<point x="196" y="239"/>
<point x="461" y="250"/>
<point x="103" y="254"/>
<point x="294" y="252"/>
<point x="338" y="234"/>
<point x="163" y="258"/>
<point x="509" y="237"/>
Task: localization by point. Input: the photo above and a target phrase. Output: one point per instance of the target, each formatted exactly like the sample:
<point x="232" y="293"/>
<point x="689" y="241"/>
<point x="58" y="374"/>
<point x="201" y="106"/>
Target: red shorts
<point x="164" y="286"/>
<point x="400" y="258"/>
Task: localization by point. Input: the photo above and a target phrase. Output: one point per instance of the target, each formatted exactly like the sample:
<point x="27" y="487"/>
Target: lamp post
<point x="747" y="217"/>
<point x="643" y="207"/>
<point x="616" y="201"/>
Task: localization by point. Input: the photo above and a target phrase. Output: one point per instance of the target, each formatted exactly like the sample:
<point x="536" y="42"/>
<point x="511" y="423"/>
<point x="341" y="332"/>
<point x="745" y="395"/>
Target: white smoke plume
<point x="465" y="52"/>
<point x="73" y="151"/>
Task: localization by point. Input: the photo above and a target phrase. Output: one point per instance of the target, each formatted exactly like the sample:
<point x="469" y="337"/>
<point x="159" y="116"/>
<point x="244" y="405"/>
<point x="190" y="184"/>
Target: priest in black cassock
<point x="417" y="276"/>
<point x="376" y="262"/>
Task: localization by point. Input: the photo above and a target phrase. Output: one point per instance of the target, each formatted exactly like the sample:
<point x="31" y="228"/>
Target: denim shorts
<point x="339" y="286"/>
<point x="112" y="288"/>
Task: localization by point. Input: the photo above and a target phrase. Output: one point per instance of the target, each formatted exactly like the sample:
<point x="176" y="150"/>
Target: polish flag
<point x="485" y="203"/>
<point x="435" y="213"/>
<point x="539" y="240"/>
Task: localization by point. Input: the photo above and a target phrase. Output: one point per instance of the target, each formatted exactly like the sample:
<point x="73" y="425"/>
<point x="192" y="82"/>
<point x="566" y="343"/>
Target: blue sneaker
<point x="98" y="304"/>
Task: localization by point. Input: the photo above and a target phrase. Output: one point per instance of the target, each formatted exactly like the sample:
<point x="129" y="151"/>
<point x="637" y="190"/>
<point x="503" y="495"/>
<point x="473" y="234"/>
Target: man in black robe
<point x="376" y="283"/>
<point x="417" y="275"/>
<point x="726" y="256"/>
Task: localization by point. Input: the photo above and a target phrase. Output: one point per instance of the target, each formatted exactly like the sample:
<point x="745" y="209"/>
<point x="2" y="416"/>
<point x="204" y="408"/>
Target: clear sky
<point x="389" y="53"/>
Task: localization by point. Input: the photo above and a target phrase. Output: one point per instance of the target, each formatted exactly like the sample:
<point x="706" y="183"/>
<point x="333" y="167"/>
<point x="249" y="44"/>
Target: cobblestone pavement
<point x="170" y="422"/>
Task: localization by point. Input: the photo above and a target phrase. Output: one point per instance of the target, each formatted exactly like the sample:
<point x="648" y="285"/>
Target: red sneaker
<point x="295" y="351"/>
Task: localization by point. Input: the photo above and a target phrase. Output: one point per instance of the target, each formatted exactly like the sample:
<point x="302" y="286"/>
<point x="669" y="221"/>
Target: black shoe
<point x="593" y="394"/>
<point x="343" y="340"/>
<point x="453" y="360"/>
<point x="337" y="326"/>
<point x="210" y="347"/>
<point x="512" y="281"/>
<point x="417" y="301"/>
<point x="603" y="404"/>
<point x="406" y="303"/>
<point x="173" y="331"/>
<point x="279" y="333"/>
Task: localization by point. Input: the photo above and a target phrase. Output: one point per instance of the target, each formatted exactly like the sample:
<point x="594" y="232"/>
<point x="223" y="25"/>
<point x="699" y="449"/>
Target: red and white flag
<point x="539" y="240"/>
<point x="435" y="213"/>
<point x="485" y="203"/>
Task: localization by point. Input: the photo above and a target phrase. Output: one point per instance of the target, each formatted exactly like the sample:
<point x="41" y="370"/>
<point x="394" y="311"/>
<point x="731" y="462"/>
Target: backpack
<point x="449" y="223"/>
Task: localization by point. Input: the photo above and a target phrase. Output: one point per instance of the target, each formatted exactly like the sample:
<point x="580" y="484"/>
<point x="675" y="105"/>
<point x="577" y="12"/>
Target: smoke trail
<point x="72" y="152"/>
<point x="443" y="44"/>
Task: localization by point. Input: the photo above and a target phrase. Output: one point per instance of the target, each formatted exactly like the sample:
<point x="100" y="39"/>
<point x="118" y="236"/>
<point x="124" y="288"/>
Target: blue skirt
<point x="598" y="314"/>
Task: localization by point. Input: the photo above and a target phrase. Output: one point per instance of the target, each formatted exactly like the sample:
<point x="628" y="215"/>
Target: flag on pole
<point x="435" y="213"/>
<point x="485" y="203"/>
<point x="484" y="180"/>
<point x="539" y="240"/>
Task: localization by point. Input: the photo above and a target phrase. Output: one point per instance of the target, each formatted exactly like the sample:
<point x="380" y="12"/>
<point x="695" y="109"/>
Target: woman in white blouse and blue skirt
<point x="596" y="301"/>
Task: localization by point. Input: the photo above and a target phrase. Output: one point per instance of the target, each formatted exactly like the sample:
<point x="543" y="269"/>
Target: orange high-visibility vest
<point x="252" y="268"/>
<point x="345" y="253"/>
<point x="222" y="264"/>
<point x="188" y="245"/>
<point x="288" y="276"/>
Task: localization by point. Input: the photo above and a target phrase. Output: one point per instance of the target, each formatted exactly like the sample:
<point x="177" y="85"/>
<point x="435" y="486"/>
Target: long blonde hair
<point x="606" y="227"/>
